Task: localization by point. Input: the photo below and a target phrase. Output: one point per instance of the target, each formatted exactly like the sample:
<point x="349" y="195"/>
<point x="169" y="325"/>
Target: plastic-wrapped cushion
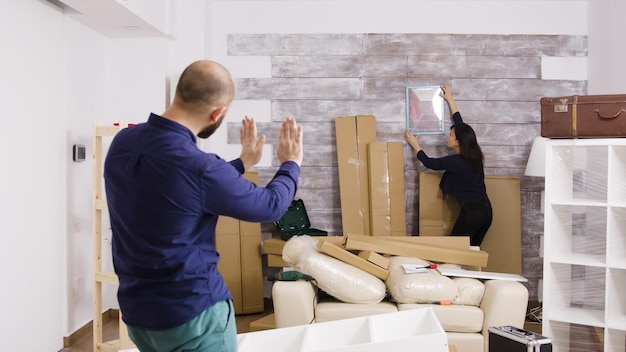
<point x="343" y="281"/>
<point x="471" y="291"/>
<point x="426" y="287"/>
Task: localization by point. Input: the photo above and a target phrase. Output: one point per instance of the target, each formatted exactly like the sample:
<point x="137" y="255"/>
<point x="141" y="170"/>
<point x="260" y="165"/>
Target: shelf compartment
<point x="616" y="171"/>
<point x="575" y="294"/>
<point x="578" y="233"/>
<point x="615" y="302"/>
<point x="615" y="341"/>
<point x="340" y="333"/>
<point x="573" y="337"/>
<point x="582" y="172"/>
<point x="282" y="340"/>
<point x="616" y="238"/>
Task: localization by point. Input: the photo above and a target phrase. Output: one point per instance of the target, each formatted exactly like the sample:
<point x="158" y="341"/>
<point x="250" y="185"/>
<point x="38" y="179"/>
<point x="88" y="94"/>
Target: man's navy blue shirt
<point x="164" y="196"/>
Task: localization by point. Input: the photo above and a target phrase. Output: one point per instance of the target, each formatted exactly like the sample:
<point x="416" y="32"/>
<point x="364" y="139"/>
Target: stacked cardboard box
<point x="353" y="134"/>
<point x="386" y="188"/>
<point x="371" y="179"/>
<point x="239" y="245"/>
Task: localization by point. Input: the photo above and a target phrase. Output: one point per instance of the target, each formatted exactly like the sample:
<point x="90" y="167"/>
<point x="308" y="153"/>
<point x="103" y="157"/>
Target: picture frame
<point x="425" y="113"/>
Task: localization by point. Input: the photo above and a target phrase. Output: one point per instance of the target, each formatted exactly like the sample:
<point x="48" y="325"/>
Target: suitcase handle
<point x="597" y="111"/>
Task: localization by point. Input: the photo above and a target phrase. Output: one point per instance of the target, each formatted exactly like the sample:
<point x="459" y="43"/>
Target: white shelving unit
<point x="584" y="292"/>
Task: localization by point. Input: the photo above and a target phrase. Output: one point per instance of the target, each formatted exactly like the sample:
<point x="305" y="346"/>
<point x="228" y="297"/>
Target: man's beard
<point x="210" y="129"/>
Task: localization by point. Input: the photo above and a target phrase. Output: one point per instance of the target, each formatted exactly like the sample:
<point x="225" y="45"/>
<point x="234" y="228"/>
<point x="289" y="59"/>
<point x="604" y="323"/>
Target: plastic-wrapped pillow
<point x="343" y="281"/>
<point x="471" y="291"/>
<point x="426" y="287"/>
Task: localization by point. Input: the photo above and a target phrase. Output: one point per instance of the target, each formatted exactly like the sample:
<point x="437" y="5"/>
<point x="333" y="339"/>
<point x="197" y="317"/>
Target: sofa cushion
<point x="470" y="291"/>
<point x="426" y="287"/>
<point x="453" y="318"/>
<point x="341" y="280"/>
<point x="333" y="310"/>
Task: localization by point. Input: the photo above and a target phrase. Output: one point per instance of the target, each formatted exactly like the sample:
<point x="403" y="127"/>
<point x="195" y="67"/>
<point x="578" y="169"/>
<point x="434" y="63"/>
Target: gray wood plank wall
<point x="497" y="84"/>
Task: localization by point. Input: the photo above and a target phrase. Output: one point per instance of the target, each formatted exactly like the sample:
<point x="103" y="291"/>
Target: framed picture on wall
<point x="424" y="110"/>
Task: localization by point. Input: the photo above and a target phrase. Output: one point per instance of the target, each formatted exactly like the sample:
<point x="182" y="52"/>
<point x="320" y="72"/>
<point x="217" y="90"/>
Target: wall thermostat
<point x="78" y="152"/>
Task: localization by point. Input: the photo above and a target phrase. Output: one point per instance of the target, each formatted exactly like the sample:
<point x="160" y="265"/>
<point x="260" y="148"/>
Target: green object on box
<point x="296" y="222"/>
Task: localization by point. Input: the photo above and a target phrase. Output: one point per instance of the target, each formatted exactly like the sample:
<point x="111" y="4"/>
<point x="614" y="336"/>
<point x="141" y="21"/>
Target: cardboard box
<point x="438" y="213"/>
<point x="353" y="134"/>
<point x="503" y="241"/>
<point x="375" y="258"/>
<point x="241" y="265"/>
<point x="275" y="245"/>
<point x="345" y="256"/>
<point x="227" y="226"/>
<point x="251" y="275"/>
<point x="421" y="251"/>
<point x="227" y="243"/>
<point x="276" y="261"/>
<point x="229" y="266"/>
<point x="386" y="188"/>
<point x="460" y="242"/>
<point x="397" y="331"/>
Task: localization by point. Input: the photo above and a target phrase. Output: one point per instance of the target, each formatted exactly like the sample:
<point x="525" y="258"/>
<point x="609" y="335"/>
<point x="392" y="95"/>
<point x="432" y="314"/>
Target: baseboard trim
<point x="87" y="329"/>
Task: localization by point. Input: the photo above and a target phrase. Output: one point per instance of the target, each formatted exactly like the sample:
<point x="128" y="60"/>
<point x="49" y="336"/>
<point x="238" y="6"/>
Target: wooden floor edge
<point x="87" y="329"/>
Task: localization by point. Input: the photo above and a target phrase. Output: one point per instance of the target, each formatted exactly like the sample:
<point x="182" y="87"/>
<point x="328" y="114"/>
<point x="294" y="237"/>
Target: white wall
<point x="34" y="153"/>
<point x="59" y="76"/>
<point x="109" y="80"/>
<point x="87" y="99"/>
<point x="607" y="72"/>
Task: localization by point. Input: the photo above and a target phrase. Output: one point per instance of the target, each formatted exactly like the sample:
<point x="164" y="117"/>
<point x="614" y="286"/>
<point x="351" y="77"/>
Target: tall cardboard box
<point x="228" y="244"/>
<point x="386" y="188"/>
<point x="503" y="241"/>
<point x="437" y="214"/>
<point x="239" y="246"/>
<point x="251" y="268"/>
<point x="353" y="134"/>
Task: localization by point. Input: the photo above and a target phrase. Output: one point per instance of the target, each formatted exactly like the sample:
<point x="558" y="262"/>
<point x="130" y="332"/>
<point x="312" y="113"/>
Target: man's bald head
<point x="204" y="84"/>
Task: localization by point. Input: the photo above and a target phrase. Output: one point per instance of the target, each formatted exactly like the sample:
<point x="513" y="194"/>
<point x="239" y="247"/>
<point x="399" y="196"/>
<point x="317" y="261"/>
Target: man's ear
<point x="217" y="113"/>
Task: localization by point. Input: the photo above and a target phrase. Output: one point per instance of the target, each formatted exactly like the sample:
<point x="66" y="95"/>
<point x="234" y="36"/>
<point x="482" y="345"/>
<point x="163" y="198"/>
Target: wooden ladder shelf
<point x="102" y="277"/>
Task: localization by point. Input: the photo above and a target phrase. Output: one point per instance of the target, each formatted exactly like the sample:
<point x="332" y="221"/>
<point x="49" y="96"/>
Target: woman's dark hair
<point x="468" y="145"/>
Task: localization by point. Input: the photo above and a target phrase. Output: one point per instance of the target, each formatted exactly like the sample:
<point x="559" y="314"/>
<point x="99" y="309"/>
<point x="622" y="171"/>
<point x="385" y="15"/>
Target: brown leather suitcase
<point x="584" y="116"/>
